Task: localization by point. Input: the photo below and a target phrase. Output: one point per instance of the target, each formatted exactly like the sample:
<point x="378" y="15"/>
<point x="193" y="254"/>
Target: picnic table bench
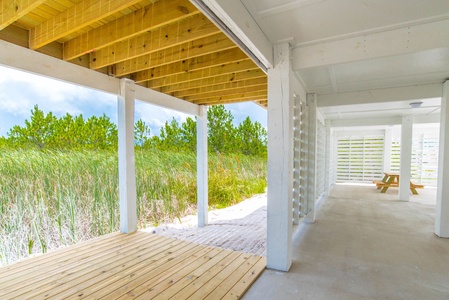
<point x="391" y="179"/>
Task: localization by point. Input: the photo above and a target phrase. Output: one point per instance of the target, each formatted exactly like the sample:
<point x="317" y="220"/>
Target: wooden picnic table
<point x="391" y="179"/>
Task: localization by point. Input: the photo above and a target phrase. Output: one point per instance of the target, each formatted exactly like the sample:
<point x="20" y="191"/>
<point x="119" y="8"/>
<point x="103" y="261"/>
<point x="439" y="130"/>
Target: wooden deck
<point x="135" y="266"/>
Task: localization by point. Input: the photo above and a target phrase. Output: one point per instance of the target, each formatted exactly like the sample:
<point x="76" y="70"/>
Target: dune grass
<point x="50" y="199"/>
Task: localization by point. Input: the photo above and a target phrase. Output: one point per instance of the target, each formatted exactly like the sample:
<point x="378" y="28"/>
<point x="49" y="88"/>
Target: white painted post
<point x="327" y="159"/>
<point x="442" y="207"/>
<point x="406" y="158"/>
<point x="202" y="167"/>
<point x="280" y="161"/>
<point x="126" y="164"/>
<point x="312" y="157"/>
<point x="388" y="140"/>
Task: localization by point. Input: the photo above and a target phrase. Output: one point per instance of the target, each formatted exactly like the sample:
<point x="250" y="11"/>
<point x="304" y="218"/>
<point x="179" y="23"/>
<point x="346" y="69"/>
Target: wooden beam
<point x="235" y="91"/>
<point x="247" y="96"/>
<point x="227" y="78"/>
<point x="148" y="18"/>
<point x="74" y="18"/>
<point x="188" y="50"/>
<point x="253" y="96"/>
<point x="236" y="100"/>
<point x="262" y="103"/>
<point x="182" y="31"/>
<point x="222" y="88"/>
<point x="205" y="74"/>
<point x="11" y="11"/>
<point x="198" y="63"/>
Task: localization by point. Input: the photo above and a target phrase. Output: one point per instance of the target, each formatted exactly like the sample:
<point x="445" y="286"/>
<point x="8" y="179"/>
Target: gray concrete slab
<point x="364" y="245"/>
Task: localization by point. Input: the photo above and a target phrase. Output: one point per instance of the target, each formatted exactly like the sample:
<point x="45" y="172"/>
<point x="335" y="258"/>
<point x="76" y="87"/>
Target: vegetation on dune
<point x="59" y="180"/>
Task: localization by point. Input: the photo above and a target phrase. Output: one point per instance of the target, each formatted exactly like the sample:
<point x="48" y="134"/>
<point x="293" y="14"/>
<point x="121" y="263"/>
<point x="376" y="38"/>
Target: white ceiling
<point x="308" y="21"/>
<point x="408" y="69"/>
<point x="305" y="23"/>
<point x="387" y="109"/>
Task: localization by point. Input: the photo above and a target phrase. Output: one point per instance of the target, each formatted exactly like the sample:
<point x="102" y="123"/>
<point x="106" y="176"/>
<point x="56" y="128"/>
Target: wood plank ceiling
<point x="165" y="45"/>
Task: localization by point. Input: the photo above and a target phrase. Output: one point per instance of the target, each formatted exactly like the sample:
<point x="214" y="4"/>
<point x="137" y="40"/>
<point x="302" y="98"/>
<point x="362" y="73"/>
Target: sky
<point x="20" y="91"/>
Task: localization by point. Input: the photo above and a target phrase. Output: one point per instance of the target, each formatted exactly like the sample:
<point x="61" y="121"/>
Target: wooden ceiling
<point x="165" y="45"/>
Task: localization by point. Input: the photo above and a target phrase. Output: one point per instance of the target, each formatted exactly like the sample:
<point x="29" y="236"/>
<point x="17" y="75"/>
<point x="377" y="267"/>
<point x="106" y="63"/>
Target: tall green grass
<point x="50" y="199"/>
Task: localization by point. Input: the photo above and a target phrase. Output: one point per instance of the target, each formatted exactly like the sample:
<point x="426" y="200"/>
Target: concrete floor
<point x="364" y="245"/>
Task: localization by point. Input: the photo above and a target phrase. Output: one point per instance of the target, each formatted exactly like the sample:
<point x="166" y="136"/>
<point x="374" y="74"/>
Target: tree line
<point x="46" y="131"/>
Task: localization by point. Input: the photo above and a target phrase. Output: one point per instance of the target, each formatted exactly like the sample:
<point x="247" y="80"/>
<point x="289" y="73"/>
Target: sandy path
<point x="241" y="227"/>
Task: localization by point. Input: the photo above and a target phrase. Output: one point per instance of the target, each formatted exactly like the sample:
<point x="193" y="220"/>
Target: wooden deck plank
<point x="93" y="273"/>
<point x="246" y="281"/>
<point x="19" y="266"/>
<point x="151" y="274"/>
<point x="149" y="291"/>
<point x="40" y="281"/>
<point x="182" y="279"/>
<point x="105" y="278"/>
<point x="224" y="286"/>
<point x="140" y="265"/>
<point x="66" y="257"/>
<point x="212" y="284"/>
<point x="206" y="277"/>
<point x="63" y="259"/>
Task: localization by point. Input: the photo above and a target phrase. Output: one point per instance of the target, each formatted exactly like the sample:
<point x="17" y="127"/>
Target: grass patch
<point x="50" y="199"/>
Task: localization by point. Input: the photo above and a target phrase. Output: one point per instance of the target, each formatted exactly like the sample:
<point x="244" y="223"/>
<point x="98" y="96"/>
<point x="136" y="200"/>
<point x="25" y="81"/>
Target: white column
<point x="388" y="140"/>
<point x="126" y="164"/>
<point x="442" y="207"/>
<point x="312" y="157"/>
<point x="406" y="158"/>
<point x="280" y="161"/>
<point x="202" y="167"/>
<point x="327" y="154"/>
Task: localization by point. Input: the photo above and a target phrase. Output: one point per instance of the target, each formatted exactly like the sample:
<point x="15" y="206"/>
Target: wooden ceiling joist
<point x="183" y="31"/>
<point x="235" y="91"/>
<point x="198" y="63"/>
<point x="11" y="11"/>
<point x="204" y="82"/>
<point x="165" y="45"/>
<point x="239" y="97"/>
<point x="146" y="19"/>
<point x="197" y="48"/>
<point x="222" y="88"/>
<point x="76" y="17"/>
<point x="236" y="100"/>
<point x="208" y="73"/>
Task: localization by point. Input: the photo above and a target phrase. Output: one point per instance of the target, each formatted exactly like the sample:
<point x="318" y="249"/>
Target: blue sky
<point x="20" y="91"/>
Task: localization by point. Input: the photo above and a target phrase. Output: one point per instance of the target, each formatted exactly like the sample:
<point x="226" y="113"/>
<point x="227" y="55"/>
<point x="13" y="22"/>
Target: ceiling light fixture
<point x="415" y="104"/>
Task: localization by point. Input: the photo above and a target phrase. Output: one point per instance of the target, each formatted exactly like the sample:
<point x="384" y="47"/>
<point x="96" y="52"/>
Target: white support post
<point x="126" y="164"/>
<point x="442" y="207"/>
<point x="280" y="161"/>
<point x="388" y="140"/>
<point x="202" y="166"/>
<point x="312" y="157"/>
<point x="327" y="154"/>
<point x="406" y="158"/>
